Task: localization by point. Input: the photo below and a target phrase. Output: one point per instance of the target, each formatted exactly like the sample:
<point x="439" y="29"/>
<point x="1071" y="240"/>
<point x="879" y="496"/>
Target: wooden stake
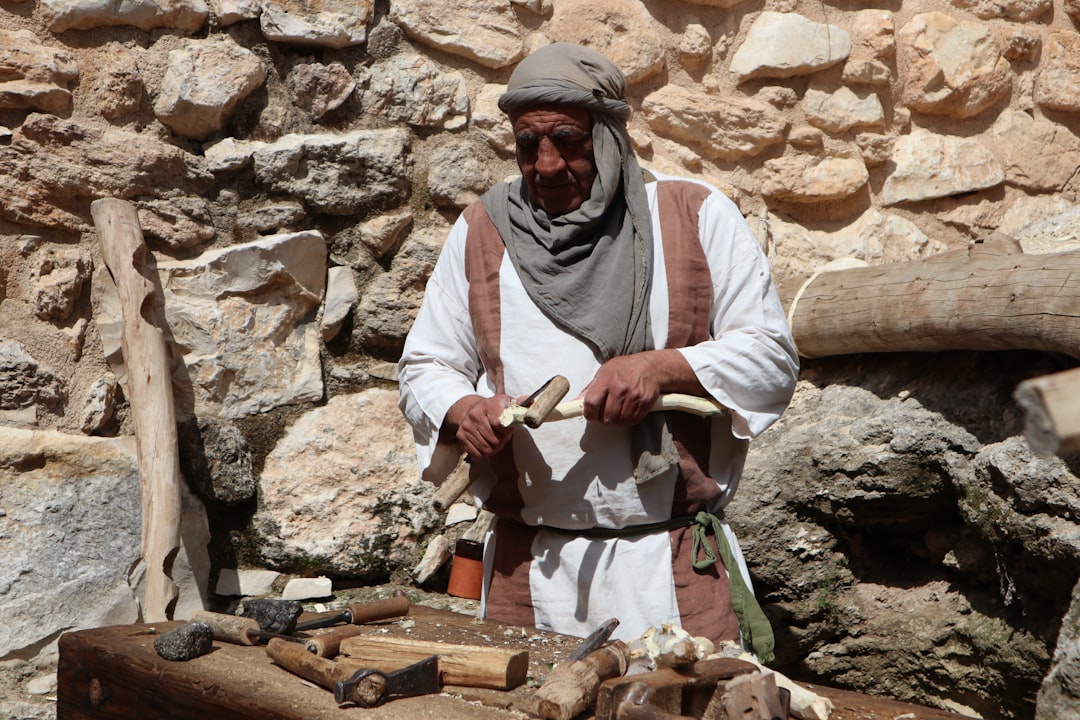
<point x="1052" y="407"/>
<point x="149" y="391"/>
<point x="985" y="297"/>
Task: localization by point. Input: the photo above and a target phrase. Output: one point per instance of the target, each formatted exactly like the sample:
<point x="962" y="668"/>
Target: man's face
<point x="555" y="155"/>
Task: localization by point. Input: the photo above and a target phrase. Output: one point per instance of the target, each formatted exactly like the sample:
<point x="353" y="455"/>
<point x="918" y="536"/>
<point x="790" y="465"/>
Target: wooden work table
<point x="114" y="672"/>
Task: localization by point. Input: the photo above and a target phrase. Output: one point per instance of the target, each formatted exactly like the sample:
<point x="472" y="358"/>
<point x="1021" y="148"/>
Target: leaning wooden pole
<point x="1052" y="412"/>
<point x="989" y="296"/>
<point x="149" y="389"/>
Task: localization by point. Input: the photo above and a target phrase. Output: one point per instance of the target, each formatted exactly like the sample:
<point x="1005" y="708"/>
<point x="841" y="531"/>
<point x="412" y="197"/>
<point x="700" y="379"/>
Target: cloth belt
<point x="756" y="631"/>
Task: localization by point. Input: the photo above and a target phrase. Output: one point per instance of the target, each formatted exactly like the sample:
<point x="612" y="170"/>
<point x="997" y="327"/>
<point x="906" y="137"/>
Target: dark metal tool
<point x="360" y="613"/>
<point x="369" y="687"/>
<point x="592" y="643"/>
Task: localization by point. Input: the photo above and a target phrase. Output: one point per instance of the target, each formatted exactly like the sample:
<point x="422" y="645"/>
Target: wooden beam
<point x="1052" y="407"/>
<point x="989" y="296"/>
<point x="148" y="387"/>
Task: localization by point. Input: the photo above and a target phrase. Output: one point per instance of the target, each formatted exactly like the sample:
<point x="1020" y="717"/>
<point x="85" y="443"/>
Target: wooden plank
<point x="469" y="665"/>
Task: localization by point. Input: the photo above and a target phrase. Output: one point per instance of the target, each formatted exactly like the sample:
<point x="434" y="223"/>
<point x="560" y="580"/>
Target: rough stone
<point x="492" y="122"/>
<point x="933" y="166"/>
<point x="696" y="44"/>
<point x="782" y="45"/>
<point x="724" y="128"/>
<point x="307" y="588"/>
<point x="34" y="76"/>
<point x="717" y="3"/>
<point x="99" y="406"/>
<point x="491" y="36"/>
<point x="1022" y="43"/>
<point x="85" y="164"/>
<point x="412" y="89"/>
<point x="1043" y="224"/>
<point x="800" y="177"/>
<point x="241" y="320"/>
<point x="382" y="233"/>
<point x="245" y="582"/>
<point x="843" y="110"/>
<point x="873" y="47"/>
<point x="344" y="493"/>
<point x="622" y="30"/>
<point x="1059" y="696"/>
<point x="275" y="217"/>
<point x="1072" y="9"/>
<point x="215" y="459"/>
<point x="205" y="82"/>
<point x="58" y="277"/>
<point x="1020" y="143"/>
<point x="176" y="223"/>
<point x="320" y="88"/>
<point x="146" y="15"/>
<point x="874" y="148"/>
<point x="273" y="616"/>
<point x="457" y="176"/>
<point x="25" y="382"/>
<point x="186" y="642"/>
<point x="1019" y="10"/>
<point x="319" y="23"/>
<point x="337" y="174"/>
<point x="230" y="12"/>
<point x="118" y="85"/>
<point x="953" y="68"/>
<point x="341" y="296"/>
<point x="1058" y="86"/>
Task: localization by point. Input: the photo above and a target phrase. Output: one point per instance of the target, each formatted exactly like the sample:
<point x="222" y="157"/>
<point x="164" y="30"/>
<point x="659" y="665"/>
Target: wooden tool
<point x="667" y="692"/>
<point x="572" y="686"/>
<point x="360" y="613"/>
<point x="237" y="629"/>
<point x="328" y="644"/>
<point x="533" y="410"/>
<point x="466" y="665"/>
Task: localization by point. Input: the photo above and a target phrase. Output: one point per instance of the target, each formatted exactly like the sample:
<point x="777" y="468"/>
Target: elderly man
<point x="631" y="285"/>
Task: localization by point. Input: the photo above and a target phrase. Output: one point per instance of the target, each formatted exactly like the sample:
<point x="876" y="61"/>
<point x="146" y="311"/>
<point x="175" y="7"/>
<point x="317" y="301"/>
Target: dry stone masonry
<point x="296" y="165"/>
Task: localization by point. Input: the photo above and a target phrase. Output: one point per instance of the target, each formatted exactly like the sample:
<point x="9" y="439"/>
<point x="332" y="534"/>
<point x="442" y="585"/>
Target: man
<point x="631" y="286"/>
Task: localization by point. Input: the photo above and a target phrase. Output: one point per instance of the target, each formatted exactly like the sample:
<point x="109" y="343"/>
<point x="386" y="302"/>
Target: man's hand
<point x="474" y="420"/>
<point x="625" y="388"/>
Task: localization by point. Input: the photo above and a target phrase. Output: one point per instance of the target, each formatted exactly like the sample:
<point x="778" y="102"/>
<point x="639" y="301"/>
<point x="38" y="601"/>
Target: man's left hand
<point x="626" y="387"/>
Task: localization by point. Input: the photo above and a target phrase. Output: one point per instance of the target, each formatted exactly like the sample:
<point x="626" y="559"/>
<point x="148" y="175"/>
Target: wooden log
<point x="571" y="688"/>
<point x="466" y="665"/>
<point x="149" y="390"/>
<point x="985" y="297"/>
<point x="1052" y="412"/>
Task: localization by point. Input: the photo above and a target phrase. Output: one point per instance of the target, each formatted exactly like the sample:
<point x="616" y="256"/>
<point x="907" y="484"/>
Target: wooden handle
<point x="702" y="407"/>
<point x="546" y="400"/>
<point x="328" y="644"/>
<point x="230" y="628"/>
<point x="572" y="687"/>
<point x="383" y="609"/>
<point x="465" y="665"/>
<point x="297" y="660"/>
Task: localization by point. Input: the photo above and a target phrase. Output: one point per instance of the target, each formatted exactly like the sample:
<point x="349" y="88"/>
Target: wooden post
<point x="1052" y="407"/>
<point x="985" y="297"/>
<point x="149" y="391"/>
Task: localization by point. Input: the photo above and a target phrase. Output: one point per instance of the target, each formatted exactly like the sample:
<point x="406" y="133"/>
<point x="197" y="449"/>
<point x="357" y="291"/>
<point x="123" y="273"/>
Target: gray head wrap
<point x="588" y="270"/>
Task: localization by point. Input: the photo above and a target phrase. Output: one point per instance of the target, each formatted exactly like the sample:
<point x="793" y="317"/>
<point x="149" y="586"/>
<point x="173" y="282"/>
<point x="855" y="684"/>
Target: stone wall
<point x="296" y="167"/>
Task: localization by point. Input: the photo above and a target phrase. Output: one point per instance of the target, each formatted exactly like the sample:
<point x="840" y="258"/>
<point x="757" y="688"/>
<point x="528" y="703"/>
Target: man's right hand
<point x="474" y="420"/>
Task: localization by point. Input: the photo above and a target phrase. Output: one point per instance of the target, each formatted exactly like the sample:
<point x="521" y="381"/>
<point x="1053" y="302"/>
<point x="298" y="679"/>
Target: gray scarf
<point x="588" y="270"/>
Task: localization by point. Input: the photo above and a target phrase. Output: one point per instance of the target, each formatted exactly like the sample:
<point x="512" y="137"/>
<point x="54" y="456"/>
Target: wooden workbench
<point x="115" y="673"/>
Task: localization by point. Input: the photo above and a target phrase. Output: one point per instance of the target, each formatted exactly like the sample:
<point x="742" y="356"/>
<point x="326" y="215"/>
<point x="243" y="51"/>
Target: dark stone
<point x="216" y="460"/>
<point x="274" y="616"/>
<point x="186" y="642"/>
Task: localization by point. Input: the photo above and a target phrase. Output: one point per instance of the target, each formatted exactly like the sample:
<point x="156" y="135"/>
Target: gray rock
<point x="273" y="616"/>
<point x="186" y="642"/>
<point x="216" y="461"/>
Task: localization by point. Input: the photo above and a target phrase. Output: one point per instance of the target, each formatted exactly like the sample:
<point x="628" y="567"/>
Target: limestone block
<point x="34" y="76"/>
<point x="725" y="128"/>
<point x="337" y="174"/>
<point x="304" y="588"/>
<point x="241" y="319"/>
<point x="950" y="67"/>
<point x="320" y="23"/>
<point x="540" y="7"/>
<point x="341" y="491"/>
<point x="1021" y="142"/>
<point x="62" y="15"/>
<point x="321" y="88"/>
<point x="874" y="148"/>
<point x="457" y="176"/>
<point x="205" y="82"/>
<point x="872" y="48"/>
<point x="100" y="403"/>
<point x="55" y="168"/>
<point x="1020" y="10"/>
<point x="341" y="296"/>
<point x="26" y="382"/>
<point x="781" y="45"/>
<point x="391" y="301"/>
<point x="800" y="177"/>
<point x="1043" y="224"/>
<point x="491" y="121"/>
<point x="118" y="85"/>
<point x="245" y="582"/>
<point x="274" y="217"/>
<point x="843" y="110"/>
<point x="933" y="166"/>
<point x="230" y="12"/>
<point x="695" y="45"/>
<point x="412" y="89"/>
<point x="382" y="233"/>
<point x="57" y="280"/>
<point x="1022" y="43"/>
<point x="623" y="30"/>
<point x="484" y="32"/>
<point x="1058" y="86"/>
<point x="176" y="223"/>
<point x="230" y="154"/>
